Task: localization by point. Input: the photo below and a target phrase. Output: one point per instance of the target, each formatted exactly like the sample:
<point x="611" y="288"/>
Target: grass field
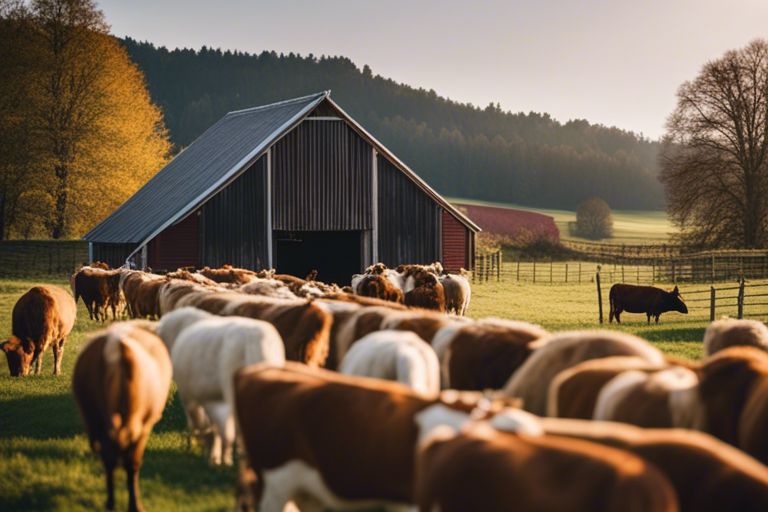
<point x="629" y="227"/>
<point x="46" y="464"/>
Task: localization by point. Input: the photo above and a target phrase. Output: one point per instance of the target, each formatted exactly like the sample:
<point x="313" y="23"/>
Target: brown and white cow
<point x="707" y="475"/>
<point x="555" y="353"/>
<point x="730" y="332"/>
<point x="484" y="354"/>
<point x="43" y="317"/>
<point x="228" y="274"/>
<point x="322" y="439"/>
<point x="121" y="382"/>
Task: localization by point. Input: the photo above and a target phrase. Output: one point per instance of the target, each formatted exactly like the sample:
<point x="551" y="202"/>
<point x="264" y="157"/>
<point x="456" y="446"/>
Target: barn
<point x="295" y="185"/>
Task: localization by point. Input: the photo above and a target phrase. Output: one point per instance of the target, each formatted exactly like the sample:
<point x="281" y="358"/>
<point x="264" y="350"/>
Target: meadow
<point x="46" y="463"/>
<point x="629" y="226"/>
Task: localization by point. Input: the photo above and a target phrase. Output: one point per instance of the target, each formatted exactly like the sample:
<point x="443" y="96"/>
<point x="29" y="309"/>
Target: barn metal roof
<point x="208" y="164"/>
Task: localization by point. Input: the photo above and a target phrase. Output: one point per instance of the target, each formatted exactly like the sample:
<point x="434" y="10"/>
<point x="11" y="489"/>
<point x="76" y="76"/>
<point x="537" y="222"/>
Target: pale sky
<point x="615" y="62"/>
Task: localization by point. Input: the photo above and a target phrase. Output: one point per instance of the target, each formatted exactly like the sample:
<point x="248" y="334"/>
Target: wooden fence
<point x="703" y="268"/>
<point x="20" y="258"/>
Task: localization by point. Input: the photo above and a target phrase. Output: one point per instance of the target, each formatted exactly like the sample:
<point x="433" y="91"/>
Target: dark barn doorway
<point x="336" y="255"/>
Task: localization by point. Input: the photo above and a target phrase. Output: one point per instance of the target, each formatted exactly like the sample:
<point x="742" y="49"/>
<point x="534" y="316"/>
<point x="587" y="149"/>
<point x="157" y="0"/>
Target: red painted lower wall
<point x="177" y="246"/>
<point x="456" y="248"/>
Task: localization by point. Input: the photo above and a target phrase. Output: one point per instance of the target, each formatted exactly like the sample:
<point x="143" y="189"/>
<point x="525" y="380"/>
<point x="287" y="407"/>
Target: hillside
<point x="462" y="150"/>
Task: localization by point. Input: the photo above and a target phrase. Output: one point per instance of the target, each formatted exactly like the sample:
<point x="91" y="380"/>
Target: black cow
<point x="644" y="299"/>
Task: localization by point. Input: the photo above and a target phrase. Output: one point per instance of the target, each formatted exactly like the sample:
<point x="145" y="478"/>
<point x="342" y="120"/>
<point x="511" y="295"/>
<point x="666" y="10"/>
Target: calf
<point x="121" y="382"/>
<point x="205" y="356"/>
<point x="555" y="353"/>
<point x="43" y="317"/>
<point x="395" y="355"/>
<point x="475" y="467"/>
<point x="643" y="299"/>
<point x="730" y="332"/>
<point x="484" y="354"/>
<point x="706" y="474"/>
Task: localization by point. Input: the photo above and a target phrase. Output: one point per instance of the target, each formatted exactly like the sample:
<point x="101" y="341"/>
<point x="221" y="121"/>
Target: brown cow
<point x="228" y="274"/>
<point x="644" y="299"/>
<point x="481" y="468"/>
<point x="121" y="382"/>
<point x="573" y="392"/>
<point x="329" y="439"/>
<point x="141" y="291"/>
<point x="428" y="292"/>
<point x="43" y="317"/>
<point x="484" y="354"/>
<point x="304" y="326"/>
<point x="379" y="287"/>
<point x="730" y="332"/>
<point x="98" y="289"/>
<point x="707" y="474"/>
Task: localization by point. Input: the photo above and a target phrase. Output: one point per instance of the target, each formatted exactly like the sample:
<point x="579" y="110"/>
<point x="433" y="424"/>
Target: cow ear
<point x="676" y="291"/>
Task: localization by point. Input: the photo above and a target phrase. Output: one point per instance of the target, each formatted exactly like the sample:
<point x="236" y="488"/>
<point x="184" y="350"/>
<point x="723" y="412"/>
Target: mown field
<point x="629" y="227"/>
<point x="46" y="464"/>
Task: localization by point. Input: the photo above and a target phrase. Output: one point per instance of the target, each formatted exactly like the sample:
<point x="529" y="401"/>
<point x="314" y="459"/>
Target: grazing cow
<point x="661" y="399"/>
<point x="43" y="317"/>
<point x="378" y="287"/>
<point x="574" y="391"/>
<point x="395" y="355"/>
<point x="205" y="356"/>
<point x="706" y="474"/>
<point x="121" y="382"/>
<point x="329" y="440"/>
<point x="483" y="355"/>
<point x="428" y="292"/>
<point x="730" y="332"/>
<point x="555" y="353"/>
<point x="476" y="467"/>
<point x="644" y="299"/>
<point x="305" y="327"/>
<point x="457" y="293"/>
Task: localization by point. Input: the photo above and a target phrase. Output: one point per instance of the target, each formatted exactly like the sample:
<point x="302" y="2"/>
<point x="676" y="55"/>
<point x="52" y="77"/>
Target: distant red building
<point x="511" y="222"/>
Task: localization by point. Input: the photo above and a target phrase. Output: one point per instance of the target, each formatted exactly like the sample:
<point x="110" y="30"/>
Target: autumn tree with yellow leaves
<point x="80" y="133"/>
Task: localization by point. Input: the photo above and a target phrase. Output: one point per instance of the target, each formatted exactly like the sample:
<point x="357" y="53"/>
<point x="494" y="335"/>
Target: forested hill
<point x="460" y="149"/>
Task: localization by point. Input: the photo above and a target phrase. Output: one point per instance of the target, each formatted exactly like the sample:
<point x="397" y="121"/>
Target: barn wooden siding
<point x="455" y="243"/>
<point x="409" y="220"/>
<point x="233" y="223"/>
<point x="177" y="246"/>
<point x="321" y="179"/>
<point x="112" y="254"/>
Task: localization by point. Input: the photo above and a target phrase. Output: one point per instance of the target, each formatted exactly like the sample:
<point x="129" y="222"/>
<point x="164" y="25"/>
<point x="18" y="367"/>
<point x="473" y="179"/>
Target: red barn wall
<point x="455" y="238"/>
<point x="177" y="246"/>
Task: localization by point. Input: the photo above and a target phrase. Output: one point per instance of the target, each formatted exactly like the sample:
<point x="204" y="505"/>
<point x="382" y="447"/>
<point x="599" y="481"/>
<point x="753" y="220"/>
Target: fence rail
<point x="35" y="257"/>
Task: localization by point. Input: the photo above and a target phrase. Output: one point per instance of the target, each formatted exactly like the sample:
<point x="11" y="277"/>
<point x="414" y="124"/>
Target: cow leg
<point x="224" y="423"/>
<point x="617" y="315"/>
<point x="58" y="353"/>
<point x="657" y="318"/>
<point x="648" y="315"/>
<point x="132" y="463"/>
<point x="38" y="361"/>
<point x="109" y="461"/>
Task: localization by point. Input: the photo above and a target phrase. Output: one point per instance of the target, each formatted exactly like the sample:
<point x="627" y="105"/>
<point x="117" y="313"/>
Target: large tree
<point x="713" y="159"/>
<point x="92" y="134"/>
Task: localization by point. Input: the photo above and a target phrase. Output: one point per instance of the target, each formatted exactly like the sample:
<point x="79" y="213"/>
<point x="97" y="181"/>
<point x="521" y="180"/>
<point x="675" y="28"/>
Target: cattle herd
<point x="373" y="396"/>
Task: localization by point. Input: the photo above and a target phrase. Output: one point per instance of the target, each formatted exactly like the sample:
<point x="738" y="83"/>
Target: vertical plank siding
<point x="455" y="243"/>
<point x="321" y="179"/>
<point x="177" y="246"/>
<point x="233" y="223"/>
<point x="409" y="220"/>
<point x="112" y="254"/>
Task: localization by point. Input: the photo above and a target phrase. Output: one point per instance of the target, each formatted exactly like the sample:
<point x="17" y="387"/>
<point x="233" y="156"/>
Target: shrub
<point x="594" y="219"/>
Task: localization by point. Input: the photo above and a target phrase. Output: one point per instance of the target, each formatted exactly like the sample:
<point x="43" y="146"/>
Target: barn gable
<point x="316" y="185"/>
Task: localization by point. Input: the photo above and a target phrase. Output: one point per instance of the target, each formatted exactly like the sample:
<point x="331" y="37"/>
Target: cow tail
<point x="611" y="305"/>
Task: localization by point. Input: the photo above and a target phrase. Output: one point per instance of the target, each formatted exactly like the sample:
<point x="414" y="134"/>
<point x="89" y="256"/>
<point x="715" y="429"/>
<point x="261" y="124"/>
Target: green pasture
<point x="46" y="464"/>
<point x="629" y="227"/>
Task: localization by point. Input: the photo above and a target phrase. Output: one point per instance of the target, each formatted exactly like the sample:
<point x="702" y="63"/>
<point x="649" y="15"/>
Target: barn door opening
<point x="336" y="255"/>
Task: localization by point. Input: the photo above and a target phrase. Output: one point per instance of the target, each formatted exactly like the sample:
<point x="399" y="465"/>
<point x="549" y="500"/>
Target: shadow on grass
<point x="40" y="417"/>
<point x="680" y="334"/>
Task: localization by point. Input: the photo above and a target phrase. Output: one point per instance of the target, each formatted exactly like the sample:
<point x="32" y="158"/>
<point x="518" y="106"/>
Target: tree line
<point x="79" y="131"/>
<point x="460" y="149"/>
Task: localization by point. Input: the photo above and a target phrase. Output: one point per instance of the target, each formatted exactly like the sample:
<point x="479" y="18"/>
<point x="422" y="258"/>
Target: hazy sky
<point x="616" y="62"/>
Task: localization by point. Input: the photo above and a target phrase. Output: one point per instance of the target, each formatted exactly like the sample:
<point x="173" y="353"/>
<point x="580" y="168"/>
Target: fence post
<point x="711" y="303"/>
<point x="741" y="298"/>
<point x="579" y="272"/>
<point x="713" y="268"/>
<point x="653" y="271"/>
<point x="551" y="263"/>
<point x="518" y="268"/>
<point x="638" y="274"/>
<point x="674" y="275"/>
<point x="498" y="270"/>
<point x="566" y="272"/>
<point x="534" y="270"/>
<point x="599" y="295"/>
<point x="622" y="273"/>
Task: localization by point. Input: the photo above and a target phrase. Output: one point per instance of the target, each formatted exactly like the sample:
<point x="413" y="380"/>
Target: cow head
<point x="19" y="357"/>
<point x="673" y="301"/>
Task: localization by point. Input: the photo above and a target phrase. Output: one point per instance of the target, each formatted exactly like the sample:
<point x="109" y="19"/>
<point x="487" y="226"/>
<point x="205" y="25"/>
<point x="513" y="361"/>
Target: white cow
<point x="395" y="355"/>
